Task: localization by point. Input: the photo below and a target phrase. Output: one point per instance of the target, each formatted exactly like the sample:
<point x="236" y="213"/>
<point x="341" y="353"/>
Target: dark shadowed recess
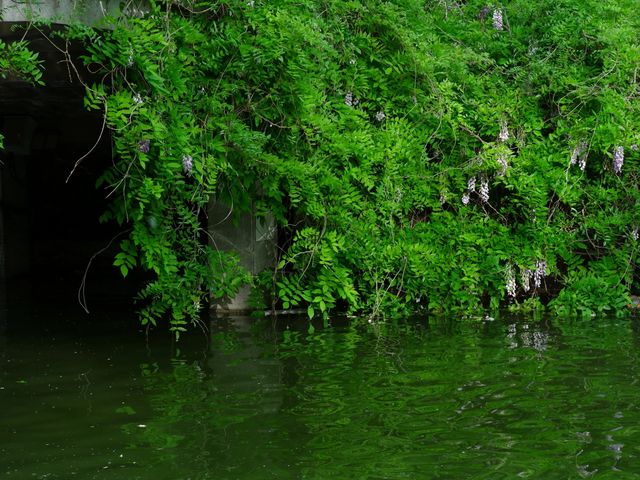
<point x="49" y="218"/>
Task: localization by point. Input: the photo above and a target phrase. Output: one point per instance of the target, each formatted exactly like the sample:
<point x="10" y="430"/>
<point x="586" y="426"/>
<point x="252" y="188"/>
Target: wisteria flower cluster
<point x="349" y="100"/>
<point x="503" y="136"/>
<point x="143" y="146"/>
<point x="483" y="193"/>
<point x="526" y="275"/>
<point x="497" y="19"/>
<point x="618" y="159"/>
<point x="483" y="190"/>
<point x="539" y="273"/>
<point x="471" y="184"/>
<point x="579" y="155"/>
<point x="510" y="282"/>
<point x="187" y="164"/>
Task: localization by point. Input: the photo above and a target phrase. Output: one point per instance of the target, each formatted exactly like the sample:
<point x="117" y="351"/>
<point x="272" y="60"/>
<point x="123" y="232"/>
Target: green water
<point x="456" y="399"/>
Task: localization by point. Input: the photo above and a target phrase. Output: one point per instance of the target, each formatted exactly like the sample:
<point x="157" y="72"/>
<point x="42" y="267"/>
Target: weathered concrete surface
<point x="59" y="11"/>
<point x="254" y="239"/>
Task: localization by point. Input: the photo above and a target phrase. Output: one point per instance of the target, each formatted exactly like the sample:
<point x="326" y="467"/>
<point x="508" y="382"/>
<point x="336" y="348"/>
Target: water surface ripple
<point x="508" y="398"/>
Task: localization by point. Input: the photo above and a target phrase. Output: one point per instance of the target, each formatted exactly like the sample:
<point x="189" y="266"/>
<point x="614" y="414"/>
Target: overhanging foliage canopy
<point x="417" y="155"/>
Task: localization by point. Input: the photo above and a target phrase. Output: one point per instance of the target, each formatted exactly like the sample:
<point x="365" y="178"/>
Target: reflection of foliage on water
<point x="176" y="395"/>
<point x="496" y="398"/>
<point x="448" y="393"/>
<point x="210" y="414"/>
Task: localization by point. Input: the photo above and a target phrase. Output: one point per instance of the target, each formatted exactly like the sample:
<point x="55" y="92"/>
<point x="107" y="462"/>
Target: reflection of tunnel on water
<point x="49" y="227"/>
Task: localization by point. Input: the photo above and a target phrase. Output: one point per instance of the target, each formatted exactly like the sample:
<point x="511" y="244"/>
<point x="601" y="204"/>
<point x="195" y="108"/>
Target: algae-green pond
<point x="93" y="398"/>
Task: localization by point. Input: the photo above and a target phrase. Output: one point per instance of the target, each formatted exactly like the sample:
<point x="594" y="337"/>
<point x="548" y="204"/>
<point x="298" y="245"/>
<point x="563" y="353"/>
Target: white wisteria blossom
<point x="579" y="155"/>
<point x="510" y="282"/>
<point x="539" y="273"/>
<point x="471" y="184"/>
<point x="484" y="189"/>
<point x="465" y="198"/>
<point x="380" y="116"/>
<point x="348" y="99"/>
<point x="503" y="136"/>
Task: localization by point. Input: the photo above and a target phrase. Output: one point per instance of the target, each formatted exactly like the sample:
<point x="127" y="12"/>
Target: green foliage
<point x="18" y="62"/>
<point x="414" y="155"/>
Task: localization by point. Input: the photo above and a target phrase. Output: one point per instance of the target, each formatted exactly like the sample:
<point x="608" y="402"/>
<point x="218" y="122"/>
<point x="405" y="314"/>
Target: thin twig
<point x="82" y="299"/>
<point x="104" y="124"/>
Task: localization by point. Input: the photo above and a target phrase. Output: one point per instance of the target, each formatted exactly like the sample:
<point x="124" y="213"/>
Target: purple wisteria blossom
<point x="497" y="19"/>
<point x="143" y="146"/>
<point x="618" y="159"/>
<point x="484" y="12"/>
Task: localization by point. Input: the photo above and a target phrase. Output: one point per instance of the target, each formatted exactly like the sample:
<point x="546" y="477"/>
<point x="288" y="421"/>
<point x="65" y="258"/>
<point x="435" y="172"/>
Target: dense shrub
<point x="432" y="155"/>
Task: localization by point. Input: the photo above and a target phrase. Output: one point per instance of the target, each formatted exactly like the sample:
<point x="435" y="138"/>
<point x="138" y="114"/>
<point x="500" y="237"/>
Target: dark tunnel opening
<point x="49" y="219"/>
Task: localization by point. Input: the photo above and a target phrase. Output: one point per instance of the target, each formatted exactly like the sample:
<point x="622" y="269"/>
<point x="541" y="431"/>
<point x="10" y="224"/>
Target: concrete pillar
<point x="254" y="239"/>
